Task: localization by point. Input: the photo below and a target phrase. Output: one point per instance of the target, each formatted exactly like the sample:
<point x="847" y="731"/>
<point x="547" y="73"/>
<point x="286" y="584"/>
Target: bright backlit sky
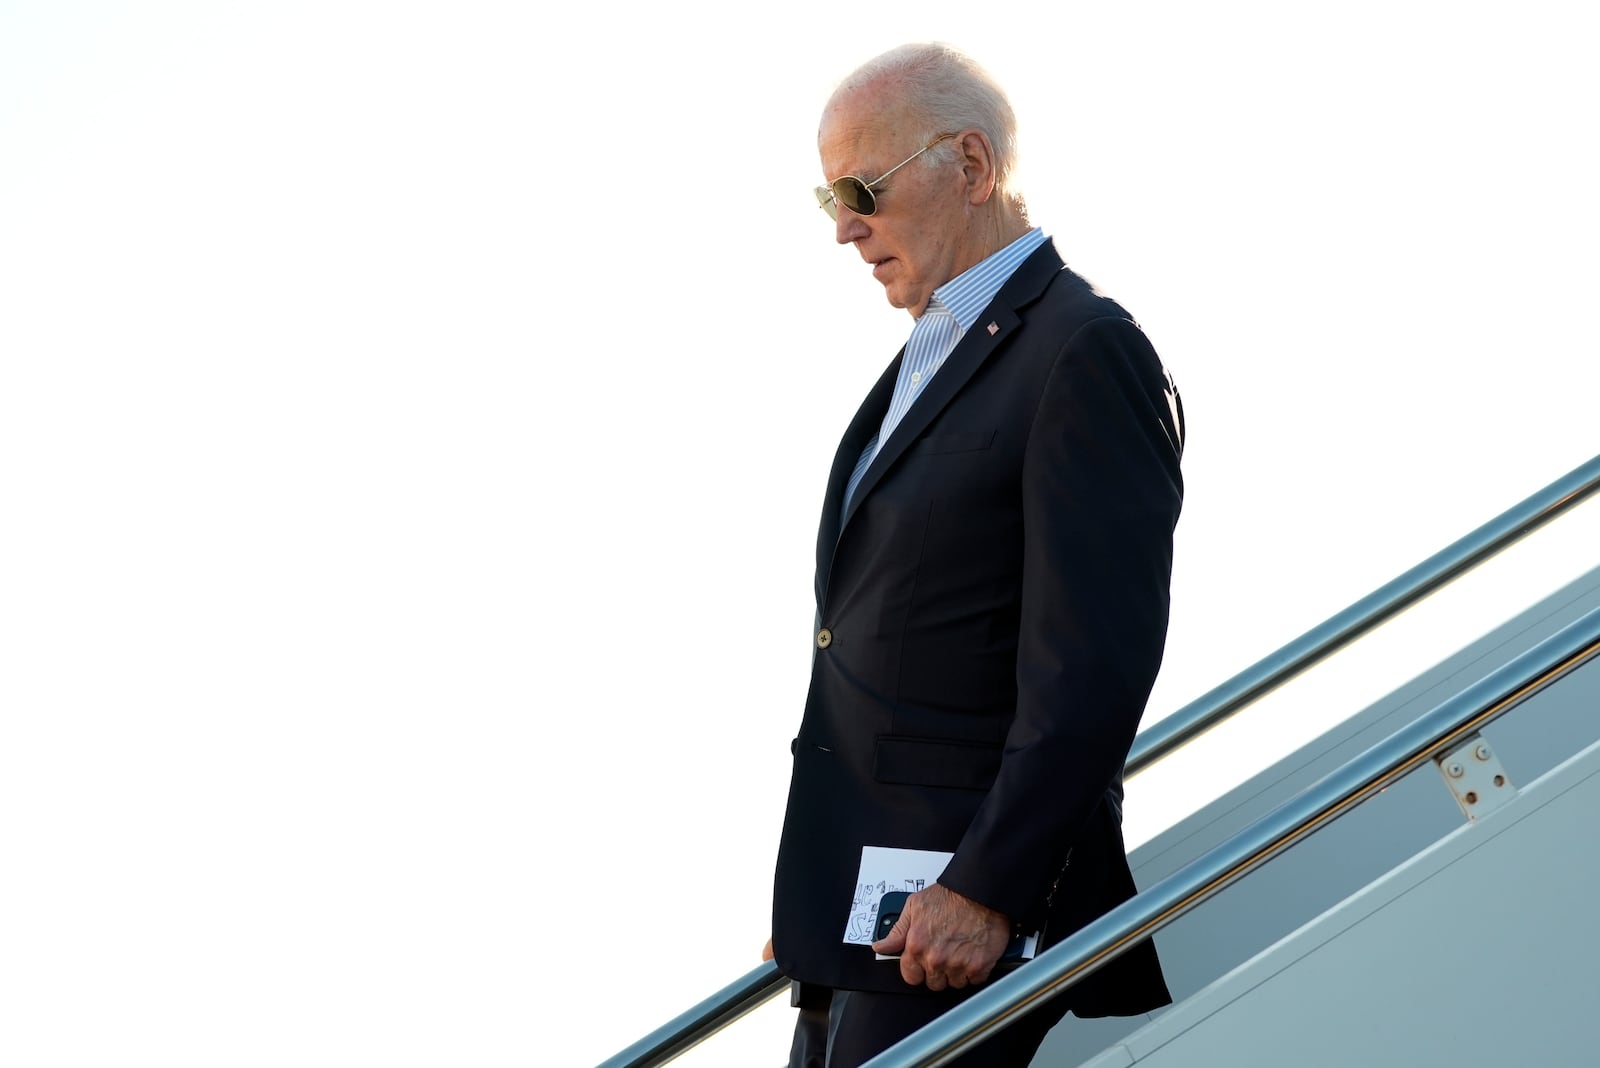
<point x="414" y="417"/>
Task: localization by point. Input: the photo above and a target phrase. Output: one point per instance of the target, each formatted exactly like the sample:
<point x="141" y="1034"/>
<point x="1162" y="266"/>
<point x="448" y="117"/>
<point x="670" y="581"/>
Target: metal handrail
<point x="1427" y="738"/>
<point x="1197" y="717"/>
<point x="1377" y="607"/>
<point x="704" y="1020"/>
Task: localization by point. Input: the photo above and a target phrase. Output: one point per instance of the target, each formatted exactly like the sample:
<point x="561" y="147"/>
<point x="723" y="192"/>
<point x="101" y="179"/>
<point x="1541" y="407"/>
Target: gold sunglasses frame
<point x="828" y="197"/>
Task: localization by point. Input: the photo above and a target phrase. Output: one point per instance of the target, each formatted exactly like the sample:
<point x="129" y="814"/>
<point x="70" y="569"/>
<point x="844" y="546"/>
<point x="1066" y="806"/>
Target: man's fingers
<point x="766" y="950"/>
<point x="941" y="970"/>
<point x="912" y="972"/>
<point x="945" y="941"/>
<point x="894" y="943"/>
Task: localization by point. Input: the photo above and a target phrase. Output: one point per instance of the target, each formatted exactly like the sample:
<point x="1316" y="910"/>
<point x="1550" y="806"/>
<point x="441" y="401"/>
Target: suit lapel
<point x="868" y="418"/>
<point x="962" y="363"/>
<point x="1021" y="289"/>
<point x="995" y="326"/>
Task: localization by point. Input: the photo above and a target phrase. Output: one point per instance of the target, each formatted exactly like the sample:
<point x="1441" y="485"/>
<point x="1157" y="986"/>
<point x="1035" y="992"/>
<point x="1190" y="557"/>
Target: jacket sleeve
<point x="1101" y="491"/>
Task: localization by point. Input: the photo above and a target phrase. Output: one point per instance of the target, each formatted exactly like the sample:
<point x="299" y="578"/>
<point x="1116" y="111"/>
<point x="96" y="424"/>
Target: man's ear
<point x="977" y="165"/>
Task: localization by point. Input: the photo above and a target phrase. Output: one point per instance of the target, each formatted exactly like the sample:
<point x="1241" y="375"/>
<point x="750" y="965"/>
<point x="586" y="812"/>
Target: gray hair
<point x="951" y="92"/>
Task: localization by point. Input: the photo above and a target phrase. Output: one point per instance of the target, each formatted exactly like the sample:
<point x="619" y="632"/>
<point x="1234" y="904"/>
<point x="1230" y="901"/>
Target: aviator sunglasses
<point x="857" y="195"/>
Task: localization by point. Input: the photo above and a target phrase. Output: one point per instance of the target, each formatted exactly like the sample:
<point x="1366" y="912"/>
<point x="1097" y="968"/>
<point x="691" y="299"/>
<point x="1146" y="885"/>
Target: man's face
<point x="916" y="239"/>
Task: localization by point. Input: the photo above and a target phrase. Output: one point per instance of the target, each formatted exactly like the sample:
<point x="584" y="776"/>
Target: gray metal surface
<point x="1430" y="735"/>
<point x="1479" y="951"/>
<point x="1409" y="816"/>
<point x="1473" y="774"/>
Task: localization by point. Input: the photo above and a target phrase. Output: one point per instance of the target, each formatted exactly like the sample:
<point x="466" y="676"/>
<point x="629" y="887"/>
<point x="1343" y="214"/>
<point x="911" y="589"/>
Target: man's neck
<point x="1003" y="226"/>
<point x="1009" y="224"/>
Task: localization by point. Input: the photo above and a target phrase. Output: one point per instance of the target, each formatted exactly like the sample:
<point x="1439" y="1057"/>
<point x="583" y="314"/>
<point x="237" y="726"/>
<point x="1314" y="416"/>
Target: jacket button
<point x="824" y="638"/>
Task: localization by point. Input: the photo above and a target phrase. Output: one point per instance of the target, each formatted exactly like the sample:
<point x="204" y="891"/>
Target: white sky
<point x="413" y="420"/>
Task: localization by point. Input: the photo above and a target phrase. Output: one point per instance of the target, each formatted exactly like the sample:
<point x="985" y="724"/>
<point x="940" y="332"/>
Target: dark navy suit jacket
<point x="993" y="609"/>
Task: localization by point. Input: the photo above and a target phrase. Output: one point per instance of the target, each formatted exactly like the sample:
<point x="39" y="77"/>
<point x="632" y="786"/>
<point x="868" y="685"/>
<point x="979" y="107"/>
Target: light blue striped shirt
<point x="963" y="297"/>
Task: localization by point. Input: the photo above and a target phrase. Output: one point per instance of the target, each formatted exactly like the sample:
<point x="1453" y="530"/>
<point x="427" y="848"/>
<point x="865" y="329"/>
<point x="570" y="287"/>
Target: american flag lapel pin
<point x="994" y="328"/>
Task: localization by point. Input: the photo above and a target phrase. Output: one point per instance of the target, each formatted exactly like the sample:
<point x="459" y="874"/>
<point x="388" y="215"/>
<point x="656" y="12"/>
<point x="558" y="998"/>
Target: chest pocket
<point x="962" y="441"/>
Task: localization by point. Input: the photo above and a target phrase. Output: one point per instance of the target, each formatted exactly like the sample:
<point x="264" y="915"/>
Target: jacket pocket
<point x="968" y="441"/>
<point x="933" y="762"/>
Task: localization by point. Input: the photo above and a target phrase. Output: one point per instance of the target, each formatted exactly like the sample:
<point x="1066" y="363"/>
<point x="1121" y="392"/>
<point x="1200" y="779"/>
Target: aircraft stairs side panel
<point x="1365" y="845"/>
<point x="1478" y="951"/>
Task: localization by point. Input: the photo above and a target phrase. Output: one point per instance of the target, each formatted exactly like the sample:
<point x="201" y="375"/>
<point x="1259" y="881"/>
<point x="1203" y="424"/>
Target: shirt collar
<point x="969" y="292"/>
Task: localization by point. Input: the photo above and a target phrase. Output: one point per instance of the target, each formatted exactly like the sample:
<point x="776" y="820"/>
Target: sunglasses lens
<point x="825" y="198"/>
<point x="850" y="192"/>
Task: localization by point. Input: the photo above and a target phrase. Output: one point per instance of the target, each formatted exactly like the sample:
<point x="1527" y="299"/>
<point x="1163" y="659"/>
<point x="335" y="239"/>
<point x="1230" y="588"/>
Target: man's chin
<point x="897" y="296"/>
<point x="914" y="308"/>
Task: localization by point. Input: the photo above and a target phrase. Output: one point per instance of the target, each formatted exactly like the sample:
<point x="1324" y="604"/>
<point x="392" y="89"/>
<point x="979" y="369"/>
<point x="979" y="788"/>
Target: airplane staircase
<point x="1424" y="855"/>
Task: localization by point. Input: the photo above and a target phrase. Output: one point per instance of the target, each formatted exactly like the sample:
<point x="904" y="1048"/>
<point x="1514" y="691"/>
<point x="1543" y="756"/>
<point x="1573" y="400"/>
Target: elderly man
<point x="992" y="581"/>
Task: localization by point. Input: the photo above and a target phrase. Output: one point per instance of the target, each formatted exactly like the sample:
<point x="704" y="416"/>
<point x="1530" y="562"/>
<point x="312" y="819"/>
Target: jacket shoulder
<point x="1045" y="287"/>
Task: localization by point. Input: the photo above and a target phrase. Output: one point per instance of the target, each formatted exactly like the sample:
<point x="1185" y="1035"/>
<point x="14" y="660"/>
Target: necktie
<point x="931" y="341"/>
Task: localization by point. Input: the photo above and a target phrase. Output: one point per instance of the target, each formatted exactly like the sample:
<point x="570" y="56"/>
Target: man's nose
<point x="848" y="226"/>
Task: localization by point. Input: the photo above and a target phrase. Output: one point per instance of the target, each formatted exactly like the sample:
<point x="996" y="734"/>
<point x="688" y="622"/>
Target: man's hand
<point x="945" y="939"/>
<point x="766" y="950"/>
